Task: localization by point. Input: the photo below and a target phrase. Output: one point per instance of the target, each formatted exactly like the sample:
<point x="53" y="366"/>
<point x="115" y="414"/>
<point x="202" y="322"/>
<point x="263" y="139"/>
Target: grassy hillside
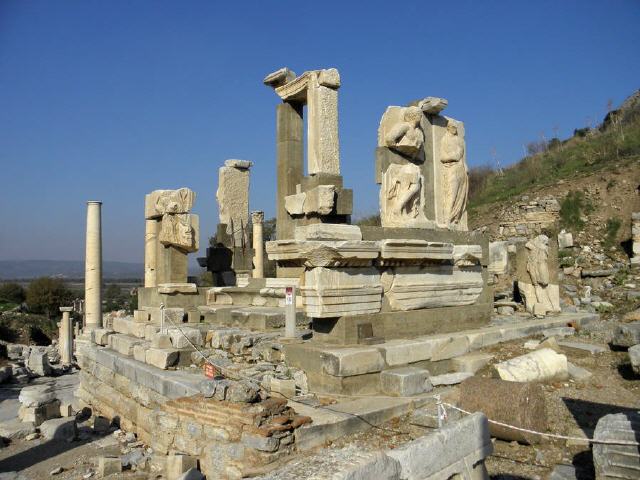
<point x="616" y="142"/>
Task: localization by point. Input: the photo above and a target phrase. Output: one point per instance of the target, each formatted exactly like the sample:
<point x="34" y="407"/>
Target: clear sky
<point x="108" y="100"/>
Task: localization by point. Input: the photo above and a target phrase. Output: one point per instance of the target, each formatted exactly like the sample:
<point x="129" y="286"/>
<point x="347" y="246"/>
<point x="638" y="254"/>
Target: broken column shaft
<point x="257" y="220"/>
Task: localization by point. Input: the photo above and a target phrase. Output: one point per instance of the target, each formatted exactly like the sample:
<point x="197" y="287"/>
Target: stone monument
<point x="537" y="276"/>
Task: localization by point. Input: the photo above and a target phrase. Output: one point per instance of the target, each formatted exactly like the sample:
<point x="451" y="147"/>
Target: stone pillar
<point x="323" y="146"/>
<point x="93" y="268"/>
<point x="65" y="336"/>
<point x="150" y="252"/>
<point x="257" y="219"/>
<point x="289" y="162"/>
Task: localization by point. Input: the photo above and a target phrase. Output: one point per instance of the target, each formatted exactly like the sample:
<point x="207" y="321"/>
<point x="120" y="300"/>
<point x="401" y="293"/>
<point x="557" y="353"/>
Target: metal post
<point x="290" y="312"/>
<point x="162" y="318"/>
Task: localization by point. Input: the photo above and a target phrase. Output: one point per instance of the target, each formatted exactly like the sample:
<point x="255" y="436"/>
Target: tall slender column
<point x="150" y="252"/>
<point x="93" y="268"/>
<point x="65" y="336"/>
<point x="290" y="162"/>
<point x="257" y="219"/>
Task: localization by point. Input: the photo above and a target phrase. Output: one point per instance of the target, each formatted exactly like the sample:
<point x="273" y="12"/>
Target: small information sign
<point x="288" y="297"/>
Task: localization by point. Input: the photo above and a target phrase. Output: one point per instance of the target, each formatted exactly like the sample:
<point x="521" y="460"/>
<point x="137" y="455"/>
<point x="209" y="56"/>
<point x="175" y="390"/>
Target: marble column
<point x="150" y="252"/>
<point x="65" y="336"/>
<point x="93" y="268"/>
<point x="257" y="220"/>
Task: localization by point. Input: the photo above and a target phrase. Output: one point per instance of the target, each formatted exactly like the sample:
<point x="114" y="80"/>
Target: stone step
<point x="405" y="382"/>
<point x="123" y="343"/>
<point x="261" y="318"/>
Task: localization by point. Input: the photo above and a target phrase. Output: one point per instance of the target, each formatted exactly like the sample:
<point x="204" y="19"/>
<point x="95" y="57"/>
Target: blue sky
<point x="109" y="100"/>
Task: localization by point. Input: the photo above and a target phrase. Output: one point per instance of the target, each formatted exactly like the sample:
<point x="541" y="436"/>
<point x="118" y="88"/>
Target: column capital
<point x="257" y="216"/>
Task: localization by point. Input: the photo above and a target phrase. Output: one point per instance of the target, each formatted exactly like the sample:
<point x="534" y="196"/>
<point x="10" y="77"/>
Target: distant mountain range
<point x="25" y="269"/>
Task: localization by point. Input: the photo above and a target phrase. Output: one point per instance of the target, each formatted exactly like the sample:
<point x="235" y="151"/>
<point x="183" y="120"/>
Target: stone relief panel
<point x="181" y="231"/>
<point x="233" y="199"/>
<point x="402" y="197"/>
<point x="401" y="132"/>
<point x="455" y="176"/>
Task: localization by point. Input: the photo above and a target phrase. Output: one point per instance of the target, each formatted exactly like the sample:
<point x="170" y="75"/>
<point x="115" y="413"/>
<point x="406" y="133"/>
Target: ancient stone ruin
<point x="384" y="313"/>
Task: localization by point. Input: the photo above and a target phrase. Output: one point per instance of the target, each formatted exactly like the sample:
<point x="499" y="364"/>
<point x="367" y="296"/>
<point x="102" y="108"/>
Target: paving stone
<point x="405" y="382"/>
<point x="587" y="347"/>
<point x="449" y="378"/>
<point x="60" y="429"/>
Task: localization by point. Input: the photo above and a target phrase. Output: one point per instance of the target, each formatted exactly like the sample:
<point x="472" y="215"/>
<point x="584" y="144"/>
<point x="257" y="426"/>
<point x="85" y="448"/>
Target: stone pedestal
<point x="150" y="252"/>
<point x="257" y="219"/>
<point x="65" y="336"/>
<point x="93" y="267"/>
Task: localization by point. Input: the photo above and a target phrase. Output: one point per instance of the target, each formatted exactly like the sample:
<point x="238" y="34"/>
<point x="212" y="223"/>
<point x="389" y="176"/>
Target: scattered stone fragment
<point x="558" y="332"/>
<point x="531" y="344"/>
<point x="39" y="363"/>
<point x="578" y="373"/>
<point x="471" y="362"/>
<point x="634" y="356"/>
<point x="32" y="436"/>
<point x="56" y="471"/>
<point x="551" y="343"/>
<point x="242" y="392"/>
<point x="598" y="272"/>
<point x="563" y="472"/>
<point x="537" y="366"/>
<point x="449" y="378"/>
<point x="36" y="395"/>
<point x="626" y="335"/>
<point x="59" y="429"/>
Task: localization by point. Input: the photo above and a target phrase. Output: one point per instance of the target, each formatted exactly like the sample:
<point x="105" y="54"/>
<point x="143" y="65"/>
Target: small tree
<point x="12" y="292"/>
<point x="46" y="295"/>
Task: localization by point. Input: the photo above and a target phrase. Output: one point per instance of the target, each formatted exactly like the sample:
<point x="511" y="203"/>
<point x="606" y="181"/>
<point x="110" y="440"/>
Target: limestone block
<point x="161" y="340"/>
<point x="181" y="231"/>
<point x="339" y="291"/>
<point x="180" y="337"/>
<point x="348" y="361"/>
<point x="498" y="258"/>
<point x="233" y="202"/>
<point x="161" y="202"/>
<point x="471" y="362"/>
<point x="412" y="288"/>
<point x="161" y="358"/>
<point x="259" y="442"/>
<point x="40" y="413"/>
<point x="140" y="352"/>
<point x="634" y="357"/>
<point x="467" y="255"/>
<point x="448" y="452"/>
<point x="123" y="343"/>
<point x="294" y="204"/>
<point x="537" y="366"/>
<point x="578" y="373"/>
<point x="170" y="288"/>
<point x="178" y="464"/>
<point x="141" y="316"/>
<point x="287" y="387"/>
<point x="36" y="395"/>
<point x="565" y="239"/>
<point x="38" y="363"/>
<point x="328" y="231"/>
<point x="404" y="382"/>
<point x="451" y="347"/>
<point x="449" y="378"/>
<point x="323" y="144"/>
<point x="59" y="429"/>
<point x="320" y="200"/>
<point x="403" y="352"/>
<point x="324" y="253"/>
<point x="406" y="251"/>
<point x="109" y="466"/>
<point x="121" y="325"/>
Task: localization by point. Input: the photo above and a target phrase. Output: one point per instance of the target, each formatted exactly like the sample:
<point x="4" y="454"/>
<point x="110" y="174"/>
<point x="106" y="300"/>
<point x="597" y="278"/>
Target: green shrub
<point x="572" y="207"/>
<point x="611" y="232"/>
<point x="12" y="293"/>
<point x="46" y="295"/>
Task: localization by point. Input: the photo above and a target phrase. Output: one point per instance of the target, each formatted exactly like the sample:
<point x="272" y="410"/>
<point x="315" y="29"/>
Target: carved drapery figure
<point x="401" y="196"/>
<point x="177" y="231"/>
<point x="174" y="201"/>
<point x="456" y="177"/>
<point x="407" y="137"/>
<point x="538" y="269"/>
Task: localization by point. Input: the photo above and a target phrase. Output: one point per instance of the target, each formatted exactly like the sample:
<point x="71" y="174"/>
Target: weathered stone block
<point x="471" y="362"/>
<point x="627" y="334"/>
<point x="634" y="357"/>
<point x="258" y="442"/>
<point x="537" y="366"/>
<point x="101" y="336"/>
<point x="405" y="382"/>
<point x="59" y="429"/>
<point x="109" y="466"/>
<point x="328" y="231"/>
<point x="180" y="337"/>
<point x="179" y="464"/>
<point x="161" y="358"/>
<point x="161" y="340"/>
<point x="344" y="362"/>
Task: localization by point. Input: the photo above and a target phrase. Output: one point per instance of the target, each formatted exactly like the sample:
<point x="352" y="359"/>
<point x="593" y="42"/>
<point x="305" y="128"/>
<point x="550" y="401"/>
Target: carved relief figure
<point x="401" y="196"/>
<point x="456" y="177"/>
<point x="538" y="269"/>
<point x="174" y="201"/>
<point x="406" y="137"/>
<point x="177" y="231"/>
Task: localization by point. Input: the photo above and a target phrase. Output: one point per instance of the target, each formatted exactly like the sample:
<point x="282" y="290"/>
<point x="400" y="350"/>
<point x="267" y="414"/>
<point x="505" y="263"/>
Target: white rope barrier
<point x="442" y="405"/>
